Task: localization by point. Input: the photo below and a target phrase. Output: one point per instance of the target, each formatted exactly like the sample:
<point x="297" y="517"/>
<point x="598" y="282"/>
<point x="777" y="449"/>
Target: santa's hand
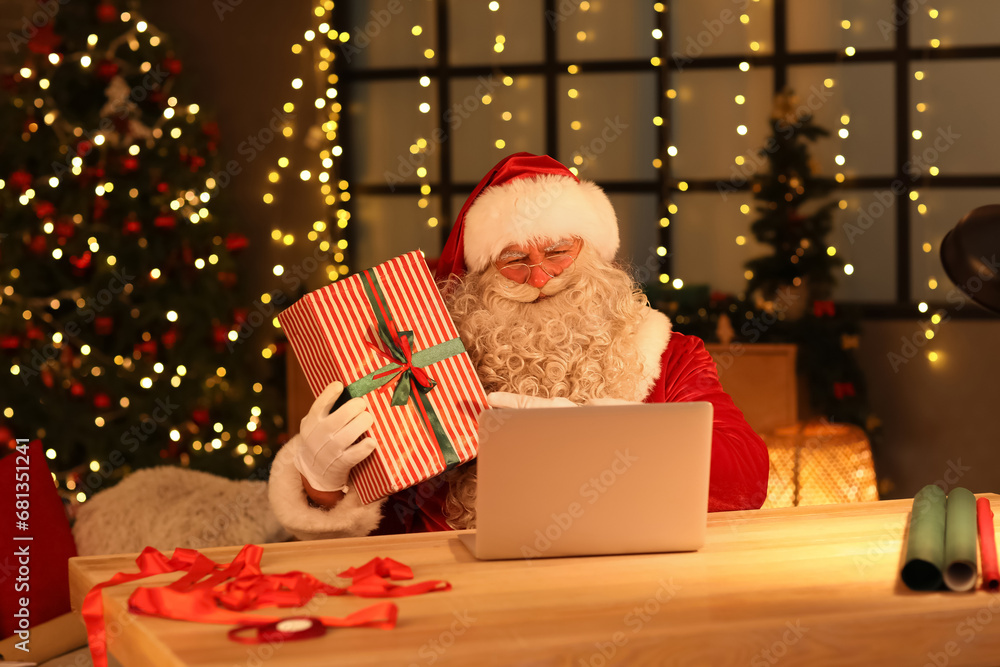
<point x="504" y="399"/>
<point x="327" y="450"/>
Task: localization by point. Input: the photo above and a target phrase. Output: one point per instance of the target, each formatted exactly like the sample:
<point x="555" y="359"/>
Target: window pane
<point x="476" y="127"/>
<point x="714" y="27"/>
<point x="385" y="124"/>
<point x="956" y="23"/>
<point x="818" y="25"/>
<point x="638" y="231"/>
<point x="864" y="234"/>
<point x="866" y="94"/>
<point x="474" y="29"/>
<point x="959" y="132"/>
<point x="607" y="30"/>
<point x="616" y="140"/>
<point x="705" y="246"/>
<point x="943" y="208"/>
<point x="706" y="118"/>
<point x="382" y="35"/>
<point x="388" y="226"/>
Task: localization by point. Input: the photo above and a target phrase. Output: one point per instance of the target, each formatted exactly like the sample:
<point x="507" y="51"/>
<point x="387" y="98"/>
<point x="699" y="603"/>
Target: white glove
<point x="327" y="449"/>
<point x="504" y="399"/>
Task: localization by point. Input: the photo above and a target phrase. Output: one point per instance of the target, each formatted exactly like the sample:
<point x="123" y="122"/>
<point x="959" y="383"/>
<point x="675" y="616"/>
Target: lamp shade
<point x="969" y="255"/>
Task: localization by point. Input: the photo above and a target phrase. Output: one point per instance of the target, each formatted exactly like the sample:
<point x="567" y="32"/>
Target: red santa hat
<point x="527" y="198"/>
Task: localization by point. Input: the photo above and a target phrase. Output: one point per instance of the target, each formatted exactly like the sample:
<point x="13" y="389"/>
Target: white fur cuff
<point x="350" y="518"/>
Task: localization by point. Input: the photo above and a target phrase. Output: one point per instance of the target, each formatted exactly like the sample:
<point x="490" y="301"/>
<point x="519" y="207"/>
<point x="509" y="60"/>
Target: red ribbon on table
<point x="219" y="593"/>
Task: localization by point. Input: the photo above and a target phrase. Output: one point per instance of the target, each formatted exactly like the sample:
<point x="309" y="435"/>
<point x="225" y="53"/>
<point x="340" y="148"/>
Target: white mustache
<point x="525" y="293"/>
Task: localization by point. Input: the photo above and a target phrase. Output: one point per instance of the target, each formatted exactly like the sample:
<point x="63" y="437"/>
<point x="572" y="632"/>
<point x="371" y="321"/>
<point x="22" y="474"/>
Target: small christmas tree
<point x="784" y="192"/>
<point x="121" y="340"/>
<point x="792" y="287"/>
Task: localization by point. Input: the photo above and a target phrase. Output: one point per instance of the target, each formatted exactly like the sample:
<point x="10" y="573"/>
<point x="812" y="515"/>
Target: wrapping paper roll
<point x="988" y="546"/>
<point x="960" y="568"/>
<point x="925" y="559"/>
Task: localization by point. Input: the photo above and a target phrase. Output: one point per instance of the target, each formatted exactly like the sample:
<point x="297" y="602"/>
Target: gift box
<point x="386" y="335"/>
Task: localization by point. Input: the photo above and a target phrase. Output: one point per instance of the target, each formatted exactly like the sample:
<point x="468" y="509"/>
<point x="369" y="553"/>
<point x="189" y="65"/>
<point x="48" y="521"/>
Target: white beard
<point x="579" y="342"/>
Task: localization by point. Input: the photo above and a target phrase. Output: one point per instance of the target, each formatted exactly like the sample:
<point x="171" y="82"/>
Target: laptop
<point x="592" y="480"/>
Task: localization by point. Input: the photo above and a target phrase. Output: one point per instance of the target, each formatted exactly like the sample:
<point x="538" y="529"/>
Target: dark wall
<point x="941" y="420"/>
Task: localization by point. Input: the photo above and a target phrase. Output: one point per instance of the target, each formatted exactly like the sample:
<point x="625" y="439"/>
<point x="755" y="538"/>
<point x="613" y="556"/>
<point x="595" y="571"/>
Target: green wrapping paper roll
<point x="960" y="569"/>
<point x="925" y="544"/>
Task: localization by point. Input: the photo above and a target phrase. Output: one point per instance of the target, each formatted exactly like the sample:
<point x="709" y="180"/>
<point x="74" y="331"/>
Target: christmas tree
<point x="122" y="339"/>
<point x="791" y="288"/>
<point x="788" y="297"/>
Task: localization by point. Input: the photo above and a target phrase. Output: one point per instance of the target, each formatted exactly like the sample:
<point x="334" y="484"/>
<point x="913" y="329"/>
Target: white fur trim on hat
<point x="546" y="207"/>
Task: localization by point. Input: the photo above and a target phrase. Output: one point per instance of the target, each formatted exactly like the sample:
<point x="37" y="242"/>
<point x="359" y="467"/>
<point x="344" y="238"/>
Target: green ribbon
<point x="406" y="367"/>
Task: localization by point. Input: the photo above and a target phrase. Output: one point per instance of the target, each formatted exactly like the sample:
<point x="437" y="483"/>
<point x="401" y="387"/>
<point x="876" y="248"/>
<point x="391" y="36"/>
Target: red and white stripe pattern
<point x="328" y="329"/>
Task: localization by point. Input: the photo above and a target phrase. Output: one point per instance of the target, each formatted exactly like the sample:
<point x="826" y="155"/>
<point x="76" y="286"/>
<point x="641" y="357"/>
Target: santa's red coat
<point x="738" y="479"/>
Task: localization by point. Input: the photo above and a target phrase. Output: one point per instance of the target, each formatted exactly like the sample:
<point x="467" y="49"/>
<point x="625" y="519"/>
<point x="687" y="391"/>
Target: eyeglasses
<point x="552" y="266"/>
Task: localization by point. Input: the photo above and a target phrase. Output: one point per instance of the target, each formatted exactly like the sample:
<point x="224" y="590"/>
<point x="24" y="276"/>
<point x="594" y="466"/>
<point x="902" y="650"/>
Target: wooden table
<point x="797" y="586"/>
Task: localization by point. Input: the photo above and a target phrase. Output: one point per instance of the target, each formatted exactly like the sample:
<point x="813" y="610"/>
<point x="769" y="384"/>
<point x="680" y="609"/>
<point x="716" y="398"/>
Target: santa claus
<point x="548" y="319"/>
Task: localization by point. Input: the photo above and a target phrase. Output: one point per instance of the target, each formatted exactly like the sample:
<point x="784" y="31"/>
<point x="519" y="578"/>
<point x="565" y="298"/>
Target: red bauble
<point x="240" y="315"/>
<point x="81" y="263"/>
<point x="106" y="69"/>
<point x="146" y="347"/>
<point x="211" y="130"/>
<point x="77" y="390"/>
<point x="103" y="326"/>
<point x="7" y="437"/>
<point x="47" y="378"/>
<point x="165" y="221"/>
<point x="200" y="416"/>
<point x="132" y="227"/>
<point x="10" y="342"/>
<point x="21" y="180"/>
<point x="102" y="401"/>
<point x="226" y="278"/>
<point x="197" y="162"/>
<point x="100" y="206"/>
<point x="162" y="187"/>
<point x="821" y="308"/>
<point x="64" y="228"/>
<point x="83" y="148"/>
<point x="106" y="12"/>
<point x="45" y="40"/>
<point x="258" y="436"/>
<point x="44" y="209"/>
<point x="34" y="333"/>
<point x="38" y="245"/>
<point x="169" y="338"/>
<point x="220" y="335"/>
<point x="235" y="242"/>
<point x="130" y="164"/>
<point x="172" y="65"/>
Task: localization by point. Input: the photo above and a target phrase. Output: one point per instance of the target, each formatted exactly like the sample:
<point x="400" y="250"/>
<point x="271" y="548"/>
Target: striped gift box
<point x="385" y="334"/>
